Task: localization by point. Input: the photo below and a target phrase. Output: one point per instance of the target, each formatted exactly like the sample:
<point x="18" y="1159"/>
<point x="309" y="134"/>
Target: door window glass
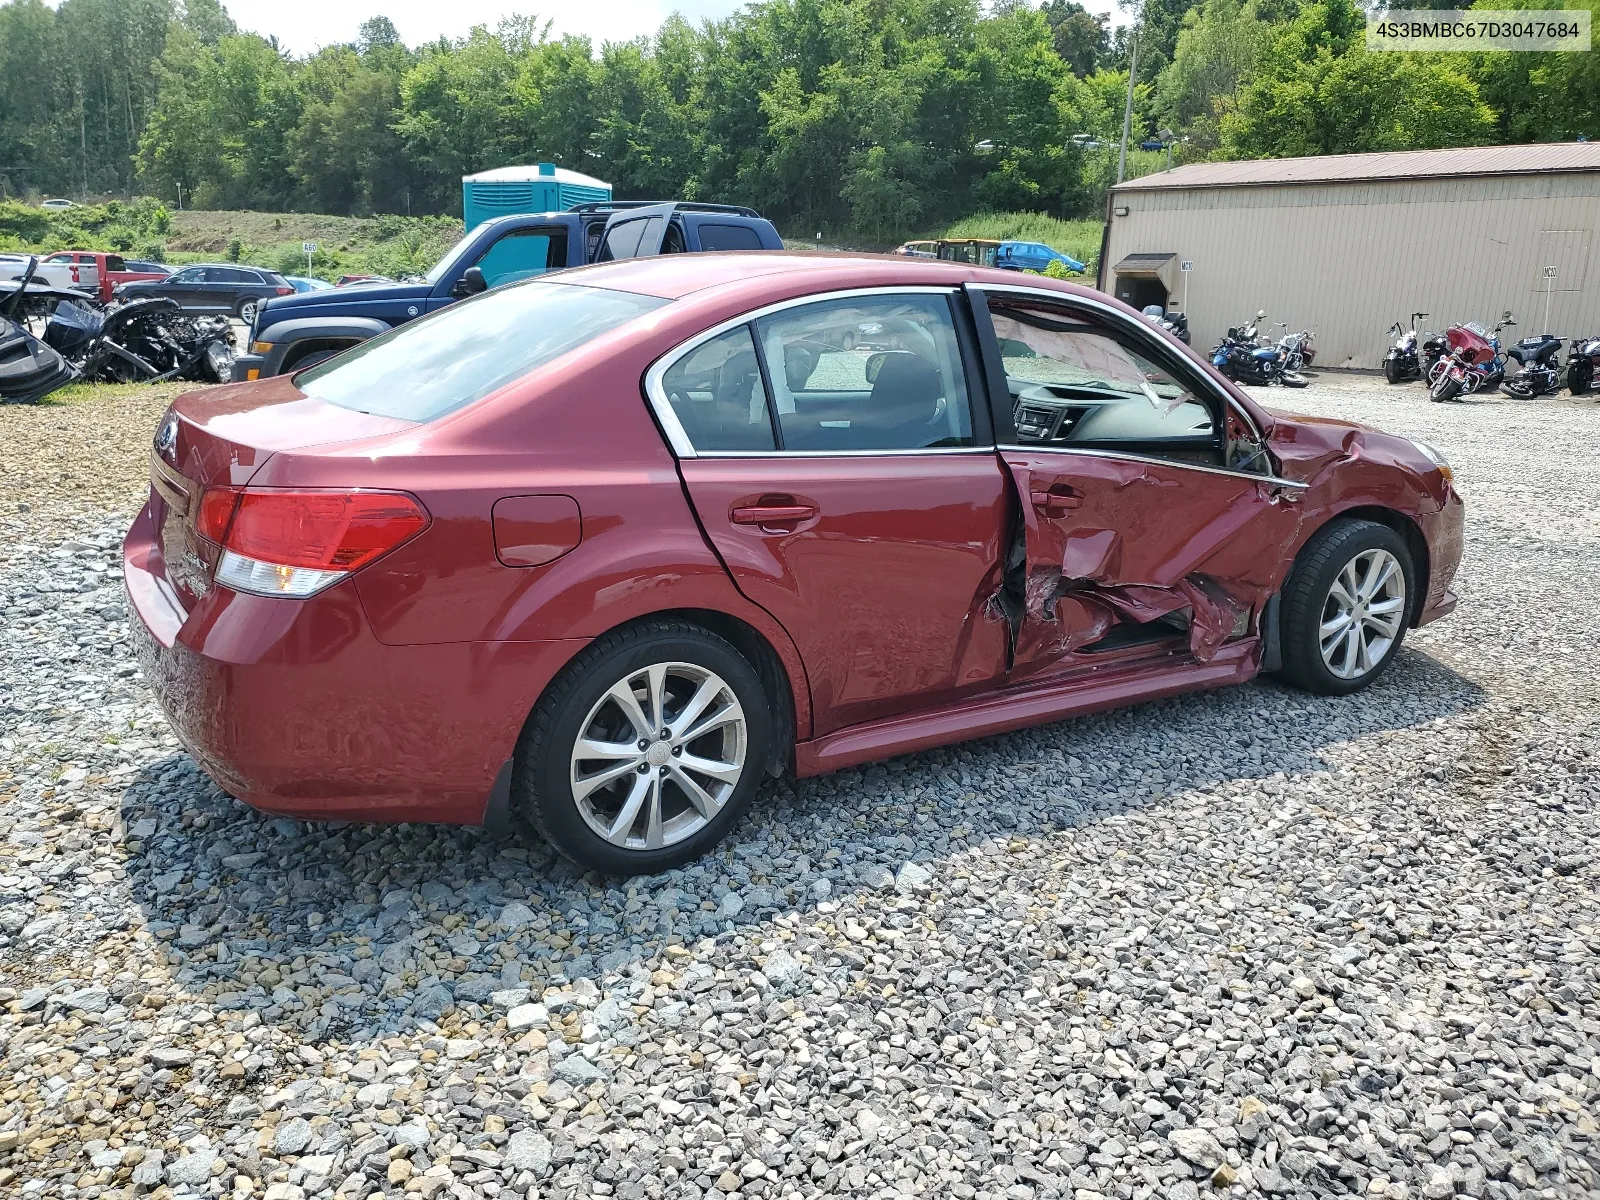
<point x="522" y="255"/>
<point x="716" y="392"/>
<point x="626" y="237"/>
<point x="728" y="237"/>
<point x="871" y="373"/>
<point x="1074" y="381"/>
<point x="191" y="275"/>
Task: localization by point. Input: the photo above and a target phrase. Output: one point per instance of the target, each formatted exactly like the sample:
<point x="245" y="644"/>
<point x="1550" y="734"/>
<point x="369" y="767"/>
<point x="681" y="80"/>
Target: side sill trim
<point x="1235" y="662"/>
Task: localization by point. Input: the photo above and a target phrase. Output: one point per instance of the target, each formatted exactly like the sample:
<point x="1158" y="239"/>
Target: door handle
<point x="773" y="510"/>
<point x="1058" y="499"/>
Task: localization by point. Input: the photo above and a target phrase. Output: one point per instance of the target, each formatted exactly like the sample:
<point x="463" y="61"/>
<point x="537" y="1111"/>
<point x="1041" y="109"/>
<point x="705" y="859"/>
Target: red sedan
<point x="609" y="546"/>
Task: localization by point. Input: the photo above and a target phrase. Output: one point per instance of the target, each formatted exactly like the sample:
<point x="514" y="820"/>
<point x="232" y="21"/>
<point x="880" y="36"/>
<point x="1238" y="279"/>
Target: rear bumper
<point x="295" y="707"/>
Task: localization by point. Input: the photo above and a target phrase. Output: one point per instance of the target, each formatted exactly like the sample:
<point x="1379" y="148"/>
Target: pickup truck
<point x="56" y="275"/>
<point x="96" y="272"/>
<point x="293" y="332"/>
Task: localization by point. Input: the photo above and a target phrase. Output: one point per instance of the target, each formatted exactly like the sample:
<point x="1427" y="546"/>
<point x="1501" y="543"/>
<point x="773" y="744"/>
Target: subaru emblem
<point x="167" y="437"/>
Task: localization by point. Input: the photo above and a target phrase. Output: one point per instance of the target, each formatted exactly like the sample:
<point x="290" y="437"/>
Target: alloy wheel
<point x="658" y="756"/>
<point x="1363" y="614"/>
<point x="247" y="312"/>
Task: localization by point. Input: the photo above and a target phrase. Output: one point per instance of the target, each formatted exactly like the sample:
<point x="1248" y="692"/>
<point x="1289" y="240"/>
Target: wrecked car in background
<point x="610" y="546"/>
<point x="51" y="336"/>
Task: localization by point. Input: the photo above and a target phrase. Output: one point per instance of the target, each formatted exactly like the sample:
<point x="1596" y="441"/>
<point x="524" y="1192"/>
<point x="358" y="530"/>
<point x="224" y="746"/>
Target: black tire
<point x="1307" y="594"/>
<point x="542" y="783"/>
<point x="1391" y="370"/>
<point x="1580" y="378"/>
<point x="1444" y="388"/>
<point x="308" y="360"/>
<point x="1293" y="379"/>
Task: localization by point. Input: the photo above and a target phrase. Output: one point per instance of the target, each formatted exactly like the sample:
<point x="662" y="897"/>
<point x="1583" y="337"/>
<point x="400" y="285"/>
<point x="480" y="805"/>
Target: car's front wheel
<point x="1346" y="606"/>
<point x="645" y="750"/>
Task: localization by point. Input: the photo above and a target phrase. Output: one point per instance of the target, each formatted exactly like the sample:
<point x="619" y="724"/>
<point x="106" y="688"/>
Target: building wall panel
<point x="1347" y="259"/>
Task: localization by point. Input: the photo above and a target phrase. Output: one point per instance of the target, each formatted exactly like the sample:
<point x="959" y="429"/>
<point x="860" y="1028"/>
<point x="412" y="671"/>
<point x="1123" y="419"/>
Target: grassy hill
<point x="386" y="245"/>
<point x="1080" y="239"/>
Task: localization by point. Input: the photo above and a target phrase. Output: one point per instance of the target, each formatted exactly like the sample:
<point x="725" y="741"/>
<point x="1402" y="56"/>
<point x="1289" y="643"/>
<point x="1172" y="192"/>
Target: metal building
<point x="1345" y="244"/>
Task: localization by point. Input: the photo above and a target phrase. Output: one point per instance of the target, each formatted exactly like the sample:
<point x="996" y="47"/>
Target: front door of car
<point x="1140" y="536"/>
<point x="183" y="286"/>
<point x="853" y="494"/>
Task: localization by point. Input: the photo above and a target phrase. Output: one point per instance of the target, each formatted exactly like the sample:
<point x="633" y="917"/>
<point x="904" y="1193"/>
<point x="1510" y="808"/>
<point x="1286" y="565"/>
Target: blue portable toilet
<point x="541" y="187"/>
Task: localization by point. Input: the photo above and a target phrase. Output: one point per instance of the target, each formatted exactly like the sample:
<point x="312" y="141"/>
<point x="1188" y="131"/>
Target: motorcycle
<point x="1540" y="360"/>
<point x="1297" y="348"/>
<point x="1175" y="323"/>
<point x="1239" y="356"/>
<point x="1583" y="365"/>
<point x="1407" y="358"/>
<point x="1473" y="361"/>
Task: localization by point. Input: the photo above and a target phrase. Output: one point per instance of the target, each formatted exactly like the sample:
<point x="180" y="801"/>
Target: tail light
<point x="282" y="542"/>
<point x="75" y="274"/>
<point x="284" y="291"/>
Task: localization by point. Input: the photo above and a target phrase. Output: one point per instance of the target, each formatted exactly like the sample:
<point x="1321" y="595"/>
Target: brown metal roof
<point x="1400" y="164"/>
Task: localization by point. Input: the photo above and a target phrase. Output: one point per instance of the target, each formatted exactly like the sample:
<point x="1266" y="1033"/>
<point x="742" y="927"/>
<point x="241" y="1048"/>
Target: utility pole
<point x="1127" y="113"/>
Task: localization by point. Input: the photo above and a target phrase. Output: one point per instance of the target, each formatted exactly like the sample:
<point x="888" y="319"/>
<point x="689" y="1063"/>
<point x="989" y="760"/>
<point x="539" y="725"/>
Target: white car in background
<point x="57" y="203"/>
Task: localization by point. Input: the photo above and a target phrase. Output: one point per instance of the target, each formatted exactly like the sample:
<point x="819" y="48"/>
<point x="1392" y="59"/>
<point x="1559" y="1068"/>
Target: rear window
<point x="729" y="237"/>
<point x="113" y="263"/>
<point x="462" y="353"/>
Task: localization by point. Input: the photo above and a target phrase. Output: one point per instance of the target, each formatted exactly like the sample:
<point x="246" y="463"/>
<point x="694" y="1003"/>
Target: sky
<point x="302" y="26"/>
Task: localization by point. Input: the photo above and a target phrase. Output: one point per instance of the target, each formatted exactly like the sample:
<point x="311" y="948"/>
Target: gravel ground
<point x="1245" y="943"/>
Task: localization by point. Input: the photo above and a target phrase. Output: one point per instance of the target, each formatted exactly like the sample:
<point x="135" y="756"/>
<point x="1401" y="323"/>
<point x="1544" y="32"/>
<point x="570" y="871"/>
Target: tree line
<point x="871" y="118"/>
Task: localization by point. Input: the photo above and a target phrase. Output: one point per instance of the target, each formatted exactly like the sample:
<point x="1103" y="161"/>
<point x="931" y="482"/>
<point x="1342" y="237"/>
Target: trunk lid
<point x="221" y="438"/>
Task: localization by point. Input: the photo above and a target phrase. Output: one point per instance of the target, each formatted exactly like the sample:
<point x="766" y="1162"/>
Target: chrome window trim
<point x="1122" y="319"/>
<point x="1125" y="456"/>
<point x="678" y="437"/>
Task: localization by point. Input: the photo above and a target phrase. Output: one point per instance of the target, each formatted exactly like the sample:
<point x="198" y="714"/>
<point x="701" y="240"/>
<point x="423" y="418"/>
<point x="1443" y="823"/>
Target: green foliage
<point x="234" y="250"/>
<point x="864" y="120"/>
<point x="1056" y="269"/>
<point x="1079" y="239"/>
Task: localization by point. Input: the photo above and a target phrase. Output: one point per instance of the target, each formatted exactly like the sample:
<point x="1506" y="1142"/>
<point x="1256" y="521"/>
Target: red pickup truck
<point x="97" y="272"/>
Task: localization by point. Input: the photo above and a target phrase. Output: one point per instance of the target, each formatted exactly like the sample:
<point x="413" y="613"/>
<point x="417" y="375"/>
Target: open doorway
<point x="1141" y="292"/>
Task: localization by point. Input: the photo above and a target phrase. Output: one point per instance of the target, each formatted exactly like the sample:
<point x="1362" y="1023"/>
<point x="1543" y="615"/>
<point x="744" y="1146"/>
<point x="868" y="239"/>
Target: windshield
<point x="452" y="256"/>
<point x="462" y="353"/>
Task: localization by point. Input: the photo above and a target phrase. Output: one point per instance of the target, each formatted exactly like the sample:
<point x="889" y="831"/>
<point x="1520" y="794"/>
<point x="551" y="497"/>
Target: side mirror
<point x="1506" y="317"/>
<point x="875" y="365"/>
<point x="470" y="284"/>
<point x="1260" y="313"/>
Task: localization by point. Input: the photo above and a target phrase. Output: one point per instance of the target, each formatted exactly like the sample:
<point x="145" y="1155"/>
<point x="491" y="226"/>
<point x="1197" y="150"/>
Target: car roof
<point x="675" y="276"/>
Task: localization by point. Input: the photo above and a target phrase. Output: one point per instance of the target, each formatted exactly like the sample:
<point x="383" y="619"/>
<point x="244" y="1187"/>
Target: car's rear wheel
<point x="645" y="750"/>
<point x="247" y="311"/>
<point x="1346" y="606"/>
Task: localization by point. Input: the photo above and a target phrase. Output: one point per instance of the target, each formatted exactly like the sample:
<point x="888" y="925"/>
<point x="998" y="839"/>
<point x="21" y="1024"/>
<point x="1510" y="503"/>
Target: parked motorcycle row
<point x="1244" y="357"/>
<point x="50" y="337"/>
<point x="1467" y="358"/>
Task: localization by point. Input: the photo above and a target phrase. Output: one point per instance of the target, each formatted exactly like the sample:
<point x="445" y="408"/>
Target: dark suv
<point x="290" y="335"/>
<point x="214" y="287"/>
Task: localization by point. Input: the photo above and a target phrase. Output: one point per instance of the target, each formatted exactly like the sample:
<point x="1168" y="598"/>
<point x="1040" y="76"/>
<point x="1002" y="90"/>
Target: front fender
<point x="285" y="335"/>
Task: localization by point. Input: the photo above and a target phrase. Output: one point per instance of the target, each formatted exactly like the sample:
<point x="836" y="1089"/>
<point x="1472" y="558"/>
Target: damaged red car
<point x="609" y="546"/>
